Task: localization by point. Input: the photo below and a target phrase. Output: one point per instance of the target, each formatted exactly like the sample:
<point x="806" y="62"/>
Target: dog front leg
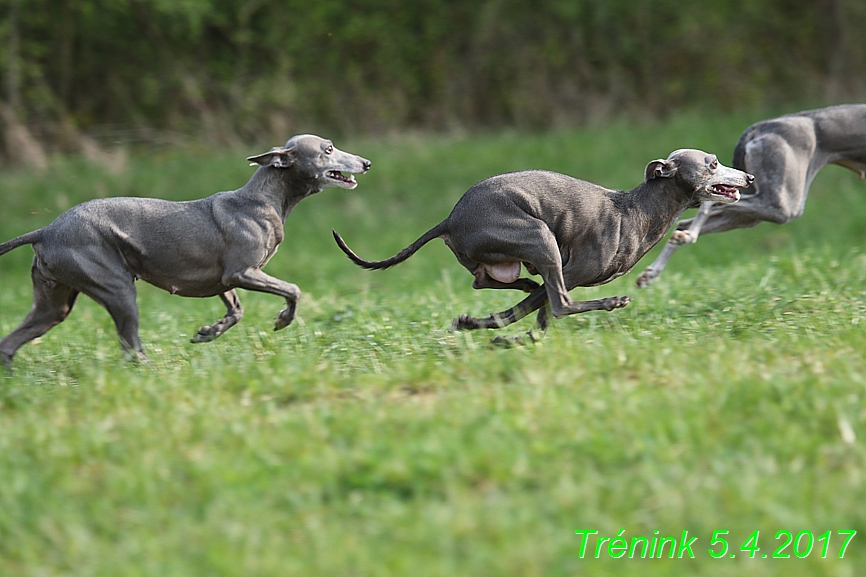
<point x="254" y="279"/>
<point x="234" y="313"/>
<point x="690" y="235"/>
<point x="678" y="238"/>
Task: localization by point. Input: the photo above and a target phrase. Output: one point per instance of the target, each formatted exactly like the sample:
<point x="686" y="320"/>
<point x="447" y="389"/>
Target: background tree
<point x="236" y="70"/>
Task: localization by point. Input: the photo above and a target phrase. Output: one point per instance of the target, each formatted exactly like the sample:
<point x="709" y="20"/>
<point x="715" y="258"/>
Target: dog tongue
<point x="727" y="189"/>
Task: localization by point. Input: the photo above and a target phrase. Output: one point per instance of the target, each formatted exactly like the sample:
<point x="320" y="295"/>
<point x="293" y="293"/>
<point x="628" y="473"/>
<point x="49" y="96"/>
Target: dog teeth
<point x="337" y="175"/>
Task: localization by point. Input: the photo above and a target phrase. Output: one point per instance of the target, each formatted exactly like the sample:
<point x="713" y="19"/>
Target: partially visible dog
<point x="784" y="154"/>
<point x="200" y="248"/>
<point x="571" y="232"/>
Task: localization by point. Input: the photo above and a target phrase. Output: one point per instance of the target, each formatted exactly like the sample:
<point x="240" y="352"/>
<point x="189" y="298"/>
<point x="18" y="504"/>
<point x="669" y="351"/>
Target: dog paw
<point x="284" y="319"/>
<point x="464" y="323"/>
<point x="529" y="338"/>
<point x="506" y="342"/>
<point x="136" y="357"/>
<point x="646" y="278"/>
<point x="616" y="303"/>
<point x="205" y="335"/>
<point x="681" y="237"/>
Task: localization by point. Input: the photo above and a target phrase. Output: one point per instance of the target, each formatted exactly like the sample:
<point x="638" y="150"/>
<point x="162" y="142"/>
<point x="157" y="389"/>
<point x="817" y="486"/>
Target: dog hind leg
<point x="256" y="280"/>
<point x="52" y="303"/>
<point x="543" y="318"/>
<point x="536" y="300"/>
<point x="118" y="295"/>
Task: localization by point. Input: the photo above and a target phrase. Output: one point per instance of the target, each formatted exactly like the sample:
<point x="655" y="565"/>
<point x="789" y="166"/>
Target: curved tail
<point x="28" y="238"/>
<point x="437" y="230"/>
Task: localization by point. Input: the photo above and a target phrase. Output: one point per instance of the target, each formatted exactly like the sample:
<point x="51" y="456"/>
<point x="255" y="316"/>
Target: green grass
<point x="367" y="439"/>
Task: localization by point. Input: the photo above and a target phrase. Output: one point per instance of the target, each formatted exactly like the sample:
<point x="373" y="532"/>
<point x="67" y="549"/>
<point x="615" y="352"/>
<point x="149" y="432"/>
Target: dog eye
<point x="329" y="150"/>
<point x="714" y="164"/>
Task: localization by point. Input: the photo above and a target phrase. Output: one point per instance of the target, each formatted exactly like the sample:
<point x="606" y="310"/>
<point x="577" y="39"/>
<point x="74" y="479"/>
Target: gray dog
<point x="785" y="154"/>
<point x="200" y="248"/>
<point x="571" y="232"/>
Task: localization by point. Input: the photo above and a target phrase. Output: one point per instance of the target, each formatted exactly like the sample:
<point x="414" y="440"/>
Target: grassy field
<point x="368" y="440"/>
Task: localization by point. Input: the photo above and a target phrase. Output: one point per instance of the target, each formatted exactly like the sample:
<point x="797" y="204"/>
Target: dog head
<point x="702" y="174"/>
<point x="315" y="158"/>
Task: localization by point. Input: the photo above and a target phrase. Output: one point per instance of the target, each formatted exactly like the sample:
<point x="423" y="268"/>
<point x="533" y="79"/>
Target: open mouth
<point x="347" y="181"/>
<point x="726" y="191"/>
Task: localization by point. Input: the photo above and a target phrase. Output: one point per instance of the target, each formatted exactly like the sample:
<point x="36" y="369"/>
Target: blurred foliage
<point x="251" y="69"/>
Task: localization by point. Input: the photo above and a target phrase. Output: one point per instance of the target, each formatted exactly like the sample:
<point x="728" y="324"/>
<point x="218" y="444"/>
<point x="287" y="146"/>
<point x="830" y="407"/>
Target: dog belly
<point x="206" y="283"/>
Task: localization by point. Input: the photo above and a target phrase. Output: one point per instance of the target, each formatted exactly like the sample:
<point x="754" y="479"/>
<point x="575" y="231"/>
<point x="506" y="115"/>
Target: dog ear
<point x="277" y="157"/>
<point x="660" y="169"/>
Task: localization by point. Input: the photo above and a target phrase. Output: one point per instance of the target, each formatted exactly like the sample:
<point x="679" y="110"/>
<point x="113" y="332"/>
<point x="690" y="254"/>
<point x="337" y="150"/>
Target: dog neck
<point x="650" y="209"/>
<point x="280" y="188"/>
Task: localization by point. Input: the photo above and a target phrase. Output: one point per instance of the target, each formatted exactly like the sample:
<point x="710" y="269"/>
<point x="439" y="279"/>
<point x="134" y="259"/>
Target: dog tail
<point x="437" y="230"/>
<point x="29" y="238"/>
